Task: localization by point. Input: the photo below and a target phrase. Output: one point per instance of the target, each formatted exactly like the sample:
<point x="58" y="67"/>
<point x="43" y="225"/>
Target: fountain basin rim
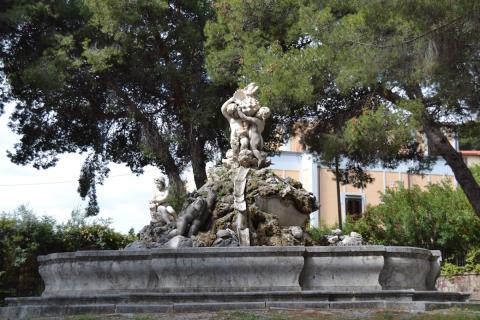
<point x="259" y="251"/>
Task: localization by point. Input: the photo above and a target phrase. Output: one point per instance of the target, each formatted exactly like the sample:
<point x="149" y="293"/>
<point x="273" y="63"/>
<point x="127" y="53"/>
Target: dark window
<point x="353" y="206"/>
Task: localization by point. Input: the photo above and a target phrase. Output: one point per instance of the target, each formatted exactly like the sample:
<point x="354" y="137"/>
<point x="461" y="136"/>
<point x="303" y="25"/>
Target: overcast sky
<point x="124" y="197"/>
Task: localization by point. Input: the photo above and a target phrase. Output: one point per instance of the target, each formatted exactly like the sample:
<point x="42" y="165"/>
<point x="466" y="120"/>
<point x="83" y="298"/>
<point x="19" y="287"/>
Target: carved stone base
<point x="195" y="279"/>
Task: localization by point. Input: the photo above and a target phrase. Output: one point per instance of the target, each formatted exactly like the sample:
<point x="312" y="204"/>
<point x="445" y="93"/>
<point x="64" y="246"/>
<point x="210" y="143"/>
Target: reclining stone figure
<point x="195" y="215"/>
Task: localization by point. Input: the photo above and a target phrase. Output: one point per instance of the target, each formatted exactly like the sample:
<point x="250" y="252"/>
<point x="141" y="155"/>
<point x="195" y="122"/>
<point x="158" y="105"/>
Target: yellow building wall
<point x="471" y="160"/>
<point x="294" y="174"/>
<point x="373" y="190"/>
<point x="295" y="144"/>
<point x="327" y="197"/>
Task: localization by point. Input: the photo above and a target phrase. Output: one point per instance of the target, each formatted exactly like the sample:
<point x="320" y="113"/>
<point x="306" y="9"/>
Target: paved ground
<point x="452" y="314"/>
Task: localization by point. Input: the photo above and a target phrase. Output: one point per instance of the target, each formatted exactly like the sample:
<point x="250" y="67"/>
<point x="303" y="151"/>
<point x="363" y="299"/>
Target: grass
<point x="452" y="314"/>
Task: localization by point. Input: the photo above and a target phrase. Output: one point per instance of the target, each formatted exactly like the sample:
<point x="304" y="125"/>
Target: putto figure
<point x="256" y="125"/>
<point x="247" y="122"/>
<point x="160" y="211"/>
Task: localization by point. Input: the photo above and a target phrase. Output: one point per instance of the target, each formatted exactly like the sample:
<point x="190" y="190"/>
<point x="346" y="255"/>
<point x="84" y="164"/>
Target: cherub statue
<point x="228" y="161"/>
<point x="238" y="130"/>
<point x="247" y="123"/>
<point x="255" y="129"/>
<point x="160" y="211"/>
<point x="246" y="100"/>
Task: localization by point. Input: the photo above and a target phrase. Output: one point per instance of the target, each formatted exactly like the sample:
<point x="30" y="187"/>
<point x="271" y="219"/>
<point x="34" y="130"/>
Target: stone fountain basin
<point x="240" y="269"/>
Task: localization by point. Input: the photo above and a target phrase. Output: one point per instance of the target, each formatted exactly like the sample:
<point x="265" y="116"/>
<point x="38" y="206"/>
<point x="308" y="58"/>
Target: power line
<point x="63" y="181"/>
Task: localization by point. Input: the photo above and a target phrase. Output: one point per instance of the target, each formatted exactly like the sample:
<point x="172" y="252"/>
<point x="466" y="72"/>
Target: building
<point x="471" y="157"/>
<point x="294" y="162"/>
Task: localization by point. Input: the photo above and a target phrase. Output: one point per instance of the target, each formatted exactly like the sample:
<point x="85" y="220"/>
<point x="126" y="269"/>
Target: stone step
<point x="409" y="300"/>
<point x="310" y="295"/>
<point x="33" y="311"/>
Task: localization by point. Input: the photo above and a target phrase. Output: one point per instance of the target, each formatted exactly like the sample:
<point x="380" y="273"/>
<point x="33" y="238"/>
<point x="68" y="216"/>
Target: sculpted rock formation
<point x="243" y="202"/>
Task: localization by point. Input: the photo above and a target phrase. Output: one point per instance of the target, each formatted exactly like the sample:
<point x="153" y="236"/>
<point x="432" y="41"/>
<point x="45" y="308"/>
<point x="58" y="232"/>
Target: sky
<point x="123" y="197"/>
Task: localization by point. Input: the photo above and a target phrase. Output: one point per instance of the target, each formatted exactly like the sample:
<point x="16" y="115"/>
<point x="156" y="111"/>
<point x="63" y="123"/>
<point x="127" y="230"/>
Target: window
<point x="353" y="206"/>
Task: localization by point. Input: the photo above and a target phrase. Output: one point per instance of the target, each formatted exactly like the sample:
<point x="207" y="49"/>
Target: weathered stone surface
<point x="226" y="242"/>
<point x="408" y="300"/>
<point x="343" y="268"/>
<point x="143" y="308"/>
<point x="240" y="205"/>
<point x="297" y="232"/>
<point x="226" y="238"/>
<point x="435" y="268"/>
<point x="225" y="233"/>
<point x="90" y="272"/>
<point x="270" y="204"/>
<point x="217" y="306"/>
<point x="182" y="269"/>
<point x="179" y="242"/>
<point x="286" y="212"/>
<point x="354" y="239"/>
<point x="342" y="277"/>
<point x="406" y="268"/>
<point x="136" y="245"/>
<point x="228" y="269"/>
<point x="468" y="283"/>
<point x="237" y="269"/>
<point x="336" y="238"/>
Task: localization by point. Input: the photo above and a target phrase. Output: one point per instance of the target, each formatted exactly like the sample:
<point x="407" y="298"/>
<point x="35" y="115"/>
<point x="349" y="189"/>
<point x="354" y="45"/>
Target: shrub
<point x="81" y="233"/>
<point x="439" y="217"/>
<point x="24" y="236"/>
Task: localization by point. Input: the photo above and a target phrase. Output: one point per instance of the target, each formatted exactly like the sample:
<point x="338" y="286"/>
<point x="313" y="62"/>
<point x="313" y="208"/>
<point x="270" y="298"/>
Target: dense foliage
<point x="24" y="236"/>
<point x="439" y="217"/>
<point x="122" y="81"/>
<point x="469" y="134"/>
<point x="126" y="81"/>
<point x="412" y="64"/>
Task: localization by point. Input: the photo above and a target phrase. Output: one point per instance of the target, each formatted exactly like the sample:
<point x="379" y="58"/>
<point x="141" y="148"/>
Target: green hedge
<point x="438" y="217"/>
<point x="24" y="236"/>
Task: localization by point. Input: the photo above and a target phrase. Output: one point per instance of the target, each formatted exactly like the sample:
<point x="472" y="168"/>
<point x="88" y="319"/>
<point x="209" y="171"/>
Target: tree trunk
<point x="154" y="141"/>
<point x="198" y="162"/>
<point x="454" y="160"/>
<point x="176" y="185"/>
<point x="443" y="147"/>
<point x="159" y="147"/>
<point x="339" y="203"/>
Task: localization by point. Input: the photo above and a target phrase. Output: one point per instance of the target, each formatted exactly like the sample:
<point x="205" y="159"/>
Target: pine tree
<point x="415" y="62"/>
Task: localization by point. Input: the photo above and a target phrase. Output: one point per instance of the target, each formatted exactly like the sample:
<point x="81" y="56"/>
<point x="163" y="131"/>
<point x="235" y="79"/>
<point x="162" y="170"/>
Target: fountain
<point x="238" y="243"/>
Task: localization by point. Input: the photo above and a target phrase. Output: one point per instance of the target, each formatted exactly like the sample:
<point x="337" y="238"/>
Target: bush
<point x="24" y="236"/>
<point x="439" y="217"/>
<point x="318" y="234"/>
<point x="81" y="233"/>
<point x="472" y="265"/>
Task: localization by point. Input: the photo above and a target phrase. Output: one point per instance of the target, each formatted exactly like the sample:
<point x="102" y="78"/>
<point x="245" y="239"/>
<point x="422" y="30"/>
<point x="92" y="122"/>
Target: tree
<point x="121" y="81"/>
<point x="416" y="63"/>
<point x="469" y="134"/>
